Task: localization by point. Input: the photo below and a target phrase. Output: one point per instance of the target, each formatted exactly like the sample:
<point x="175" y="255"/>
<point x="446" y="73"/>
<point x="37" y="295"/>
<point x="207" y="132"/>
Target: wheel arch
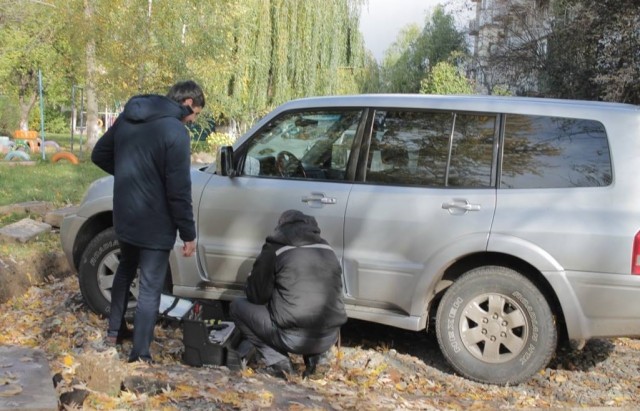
<point x="94" y="225"/>
<point x="469" y="262"/>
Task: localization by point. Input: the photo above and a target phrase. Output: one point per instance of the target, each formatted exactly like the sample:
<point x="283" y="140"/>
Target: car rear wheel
<point x="494" y="326"/>
<point x="98" y="267"/>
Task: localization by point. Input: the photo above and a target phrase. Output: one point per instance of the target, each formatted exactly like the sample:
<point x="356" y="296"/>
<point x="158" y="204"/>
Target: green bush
<point x="57" y="124"/>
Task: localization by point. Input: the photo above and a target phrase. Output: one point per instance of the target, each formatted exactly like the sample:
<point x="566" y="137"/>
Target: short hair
<point x="183" y="90"/>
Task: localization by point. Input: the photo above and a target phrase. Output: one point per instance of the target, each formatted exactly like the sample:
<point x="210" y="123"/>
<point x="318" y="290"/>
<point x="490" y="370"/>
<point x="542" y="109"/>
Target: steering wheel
<point x="289" y="165"/>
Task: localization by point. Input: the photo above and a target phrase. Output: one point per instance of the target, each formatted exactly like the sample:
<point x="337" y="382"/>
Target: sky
<point x="382" y="20"/>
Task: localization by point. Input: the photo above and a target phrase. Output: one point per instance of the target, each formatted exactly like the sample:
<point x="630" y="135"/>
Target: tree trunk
<point x="92" y="101"/>
<point x="26" y="102"/>
<point x="26" y="96"/>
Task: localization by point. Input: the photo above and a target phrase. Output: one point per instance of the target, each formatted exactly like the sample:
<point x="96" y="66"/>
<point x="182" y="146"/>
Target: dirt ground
<point x="379" y="367"/>
<point x="375" y="368"/>
<point x="17" y="274"/>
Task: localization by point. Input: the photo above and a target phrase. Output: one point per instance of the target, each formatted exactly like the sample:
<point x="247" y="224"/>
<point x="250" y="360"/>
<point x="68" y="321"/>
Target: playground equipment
<point x="64" y="155"/>
<point x="50" y="144"/>
<point x="27" y="141"/>
<point x="27" y="138"/>
<point x="17" y="155"/>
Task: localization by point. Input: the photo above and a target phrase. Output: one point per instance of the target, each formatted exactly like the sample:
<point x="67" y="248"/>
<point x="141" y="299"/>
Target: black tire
<point x="97" y="269"/>
<point x="494" y="326"/>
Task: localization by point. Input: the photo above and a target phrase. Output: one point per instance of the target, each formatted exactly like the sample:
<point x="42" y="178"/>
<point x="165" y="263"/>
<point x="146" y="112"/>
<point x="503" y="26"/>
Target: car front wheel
<point x="97" y="270"/>
<point x="494" y="326"/>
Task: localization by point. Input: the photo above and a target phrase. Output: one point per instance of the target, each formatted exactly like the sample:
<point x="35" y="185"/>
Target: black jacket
<point x="148" y="152"/>
<point x="298" y="276"/>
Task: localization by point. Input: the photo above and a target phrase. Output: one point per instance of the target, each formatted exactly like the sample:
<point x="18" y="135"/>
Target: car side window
<point x="554" y="152"/>
<point x="308" y="145"/>
<point x="431" y="149"/>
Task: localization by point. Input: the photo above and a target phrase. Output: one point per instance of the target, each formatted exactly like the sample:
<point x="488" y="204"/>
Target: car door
<point x="428" y="197"/>
<point x="298" y="160"/>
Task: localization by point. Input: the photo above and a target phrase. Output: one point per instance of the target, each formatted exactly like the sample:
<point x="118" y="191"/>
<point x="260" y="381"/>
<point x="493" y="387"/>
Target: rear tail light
<point x="635" y="257"/>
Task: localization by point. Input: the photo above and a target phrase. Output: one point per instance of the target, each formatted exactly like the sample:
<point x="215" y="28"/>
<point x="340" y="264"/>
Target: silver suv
<point x="512" y="223"/>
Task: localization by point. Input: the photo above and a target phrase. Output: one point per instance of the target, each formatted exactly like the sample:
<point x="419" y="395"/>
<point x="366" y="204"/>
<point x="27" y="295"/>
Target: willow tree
<point x="276" y="50"/>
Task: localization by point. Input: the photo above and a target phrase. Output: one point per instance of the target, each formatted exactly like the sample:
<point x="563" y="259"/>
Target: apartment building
<point x="509" y="39"/>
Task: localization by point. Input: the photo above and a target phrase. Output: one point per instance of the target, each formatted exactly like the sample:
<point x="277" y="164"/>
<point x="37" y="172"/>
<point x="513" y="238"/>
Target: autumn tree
<point x="582" y="49"/>
<point x="395" y="74"/>
<point x="29" y="42"/>
<point x="416" y="51"/>
<point x="445" y="78"/>
<point x="594" y="51"/>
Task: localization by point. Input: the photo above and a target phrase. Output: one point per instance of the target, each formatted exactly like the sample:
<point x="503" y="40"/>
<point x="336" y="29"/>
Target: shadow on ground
<point x="424" y="346"/>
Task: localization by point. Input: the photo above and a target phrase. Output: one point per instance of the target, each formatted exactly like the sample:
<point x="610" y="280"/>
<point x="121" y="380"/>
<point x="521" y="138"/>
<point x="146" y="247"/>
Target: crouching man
<point x="294" y="296"/>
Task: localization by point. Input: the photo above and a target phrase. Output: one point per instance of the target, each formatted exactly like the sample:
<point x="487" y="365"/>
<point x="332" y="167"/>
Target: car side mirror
<point x="224" y="161"/>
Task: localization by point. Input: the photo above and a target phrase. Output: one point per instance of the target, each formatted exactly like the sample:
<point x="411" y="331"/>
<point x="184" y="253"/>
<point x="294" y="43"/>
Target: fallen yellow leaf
<point x="67" y="360"/>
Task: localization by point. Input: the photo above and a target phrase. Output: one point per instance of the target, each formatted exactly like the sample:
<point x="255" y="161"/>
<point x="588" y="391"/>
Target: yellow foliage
<point x="266" y="398"/>
<point x="231" y="397"/>
<point x="217" y="140"/>
<point x="67" y="360"/>
<point x="247" y="372"/>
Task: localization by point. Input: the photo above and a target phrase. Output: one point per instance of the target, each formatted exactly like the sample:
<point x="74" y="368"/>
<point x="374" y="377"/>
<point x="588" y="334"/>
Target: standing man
<point x="294" y="296"/>
<point x="147" y="151"/>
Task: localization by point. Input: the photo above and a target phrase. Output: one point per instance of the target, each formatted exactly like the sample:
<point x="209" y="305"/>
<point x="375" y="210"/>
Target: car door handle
<point x="460" y="204"/>
<point x="319" y="198"/>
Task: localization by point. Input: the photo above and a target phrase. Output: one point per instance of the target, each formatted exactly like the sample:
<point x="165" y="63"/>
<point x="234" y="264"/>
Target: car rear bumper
<point x="597" y="304"/>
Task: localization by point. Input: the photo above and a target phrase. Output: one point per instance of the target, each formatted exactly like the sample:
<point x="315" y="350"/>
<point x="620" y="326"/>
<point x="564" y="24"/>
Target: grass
<point x="59" y="183"/>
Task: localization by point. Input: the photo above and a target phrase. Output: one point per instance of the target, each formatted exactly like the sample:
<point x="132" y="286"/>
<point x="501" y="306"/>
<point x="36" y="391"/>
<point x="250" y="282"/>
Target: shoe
<point x="281" y="369"/>
<point x="310" y="363"/>
<point x="111" y="341"/>
<point x="104" y="345"/>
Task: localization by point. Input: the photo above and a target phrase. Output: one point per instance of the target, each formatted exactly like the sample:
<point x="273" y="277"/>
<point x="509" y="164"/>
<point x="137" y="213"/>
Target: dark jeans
<point x="274" y="343"/>
<point x="153" y="269"/>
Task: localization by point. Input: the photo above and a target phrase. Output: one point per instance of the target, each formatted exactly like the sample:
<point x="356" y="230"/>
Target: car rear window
<point x="554" y="152"/>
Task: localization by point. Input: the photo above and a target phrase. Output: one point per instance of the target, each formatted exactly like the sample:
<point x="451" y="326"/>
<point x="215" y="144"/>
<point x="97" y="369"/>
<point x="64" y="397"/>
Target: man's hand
<point x="189" y="248"/>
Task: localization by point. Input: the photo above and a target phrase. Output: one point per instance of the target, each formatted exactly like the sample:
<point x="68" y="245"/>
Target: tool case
<point x="210" y="339"/>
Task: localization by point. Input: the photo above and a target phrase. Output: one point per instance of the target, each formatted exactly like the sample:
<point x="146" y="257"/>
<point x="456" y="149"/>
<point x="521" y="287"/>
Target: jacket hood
<point x="152" y="107"/>
<point x="295" y="228"/>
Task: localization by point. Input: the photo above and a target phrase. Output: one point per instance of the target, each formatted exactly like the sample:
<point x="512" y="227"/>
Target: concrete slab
<point x="27" y="382"/>
<point x="23" y="231"/>
<point x="54" y="218"/>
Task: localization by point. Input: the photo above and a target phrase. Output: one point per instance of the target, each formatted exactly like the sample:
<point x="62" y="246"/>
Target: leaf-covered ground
<point x="375" y="368"/>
